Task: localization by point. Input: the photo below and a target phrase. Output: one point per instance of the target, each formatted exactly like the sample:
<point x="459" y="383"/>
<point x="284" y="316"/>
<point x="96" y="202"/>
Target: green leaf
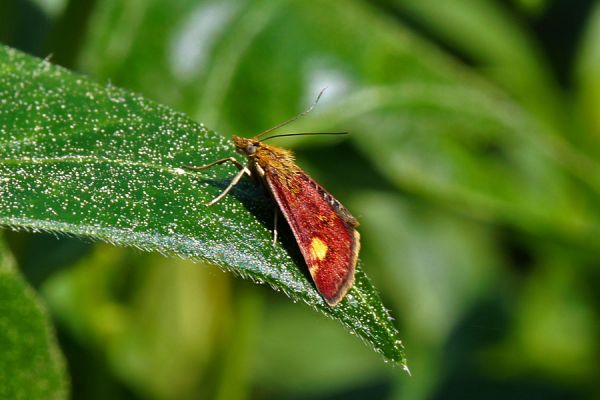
<point x="587" y="76"/>
<point x="84" y="159"/>
<point x="31" y="366"/>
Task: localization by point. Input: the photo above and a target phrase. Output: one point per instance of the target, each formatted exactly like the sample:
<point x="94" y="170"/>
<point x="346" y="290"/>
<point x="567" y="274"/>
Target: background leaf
<point x="31" y="366"/>
<point x="485" y="33"/>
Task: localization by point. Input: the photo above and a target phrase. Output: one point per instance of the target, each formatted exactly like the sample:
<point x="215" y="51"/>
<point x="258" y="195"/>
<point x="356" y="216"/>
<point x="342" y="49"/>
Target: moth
<point x="323" y="228"/>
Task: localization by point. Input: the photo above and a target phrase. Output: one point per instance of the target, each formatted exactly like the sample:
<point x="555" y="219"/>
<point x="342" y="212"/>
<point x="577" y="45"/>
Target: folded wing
<point x="324" y="230"/>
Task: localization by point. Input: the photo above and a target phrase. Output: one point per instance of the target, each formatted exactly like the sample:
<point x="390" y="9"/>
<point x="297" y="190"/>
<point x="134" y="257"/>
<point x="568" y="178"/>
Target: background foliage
<point x="472" y="167"/>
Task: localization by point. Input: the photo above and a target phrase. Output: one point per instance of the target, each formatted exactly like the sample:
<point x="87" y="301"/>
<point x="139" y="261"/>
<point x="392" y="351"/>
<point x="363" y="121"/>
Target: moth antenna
<point x="303" y="113"/>
<point x="305" y="134"/>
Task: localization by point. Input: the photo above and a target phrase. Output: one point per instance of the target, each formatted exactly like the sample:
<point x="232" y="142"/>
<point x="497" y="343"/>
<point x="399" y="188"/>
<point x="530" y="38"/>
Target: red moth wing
<point x="323" y="228"/>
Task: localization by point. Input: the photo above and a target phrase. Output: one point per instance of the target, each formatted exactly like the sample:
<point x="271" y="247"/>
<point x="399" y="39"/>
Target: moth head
<point x="246" y="146"/>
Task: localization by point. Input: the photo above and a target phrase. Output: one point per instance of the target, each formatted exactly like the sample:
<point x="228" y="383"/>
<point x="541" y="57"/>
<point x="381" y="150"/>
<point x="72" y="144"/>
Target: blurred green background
<point x="472" y="166"/>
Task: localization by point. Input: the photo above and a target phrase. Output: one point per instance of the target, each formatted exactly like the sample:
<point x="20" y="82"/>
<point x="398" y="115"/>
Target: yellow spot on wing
<point x="318" y="249"/>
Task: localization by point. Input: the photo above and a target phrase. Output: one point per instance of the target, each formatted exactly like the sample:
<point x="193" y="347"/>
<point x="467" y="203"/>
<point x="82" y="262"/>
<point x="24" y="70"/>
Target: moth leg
<point x="235" y="162"/>
<point x="275" y="227"/>
<point x="234" y="181"/>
